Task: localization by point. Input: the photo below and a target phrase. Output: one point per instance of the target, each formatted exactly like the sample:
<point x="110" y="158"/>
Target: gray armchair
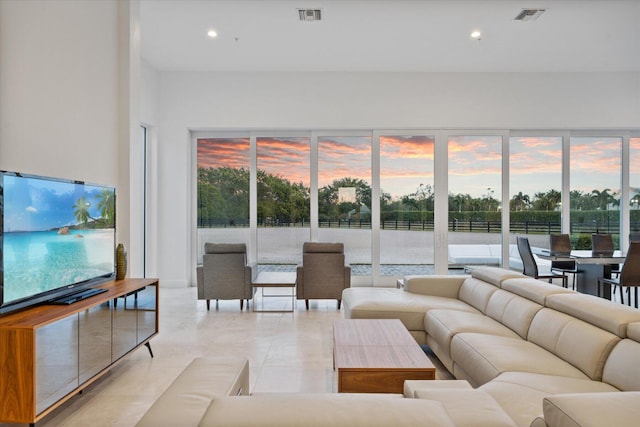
<point x="323" y="273"/>
<point x="224" y="273"/>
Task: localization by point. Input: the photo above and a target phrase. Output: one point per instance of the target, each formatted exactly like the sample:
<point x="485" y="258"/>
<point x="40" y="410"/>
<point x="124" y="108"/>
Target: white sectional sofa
<point x="517" y="339"/>
<point x="525" y="352"/>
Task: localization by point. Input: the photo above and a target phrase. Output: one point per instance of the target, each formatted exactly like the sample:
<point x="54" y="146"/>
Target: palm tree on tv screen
<point x="107" y="206"/>
<point x="81" y="210"/>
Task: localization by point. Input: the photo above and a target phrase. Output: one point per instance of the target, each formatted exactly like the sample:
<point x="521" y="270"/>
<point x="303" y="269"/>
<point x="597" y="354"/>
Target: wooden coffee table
<point x="377" y="356"/>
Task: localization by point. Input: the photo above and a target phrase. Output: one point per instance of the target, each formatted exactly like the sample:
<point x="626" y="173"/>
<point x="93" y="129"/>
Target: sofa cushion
<point x="621" y="369"/>
<point x="443" y="325"/>
<point x="385" y="303"/>
<point x="534" y="290"/>
<point x="592" y="410"/>
<point x="520" y="394"/>
<point x="411" y="386"/>
<point x="483" y="357"/>
<point x="583" y="345"/>
<point x="610" y="316"/>
<point x="321" y="410"/>
<point x="633" y="331"/>
<point x="495" y="275"/>
<point x="476" y="293"/>
<point x="512" y="311"/>
<point x="435" y="285"/>
<point x="469" y="408"/>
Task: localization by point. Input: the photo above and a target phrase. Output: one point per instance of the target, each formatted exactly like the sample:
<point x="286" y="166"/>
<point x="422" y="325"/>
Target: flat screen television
<point x="58" y="237"/>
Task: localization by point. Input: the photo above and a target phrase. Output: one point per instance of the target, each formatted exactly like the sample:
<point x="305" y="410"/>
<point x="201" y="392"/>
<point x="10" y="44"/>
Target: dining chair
<point x="634" y="236"/>
<point x="629" y="275"/>
<point x="560" y="245"/>
<point x="530" y="267"/>
<point x="602" y="244"/>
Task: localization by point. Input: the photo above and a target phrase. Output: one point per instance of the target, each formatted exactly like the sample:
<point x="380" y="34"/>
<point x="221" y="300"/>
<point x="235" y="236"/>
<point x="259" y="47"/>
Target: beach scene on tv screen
<point x="56" y="233"/>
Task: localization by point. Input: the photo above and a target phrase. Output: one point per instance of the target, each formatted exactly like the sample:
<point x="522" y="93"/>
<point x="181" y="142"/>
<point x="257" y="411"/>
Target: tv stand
<point x="50" y="353"/>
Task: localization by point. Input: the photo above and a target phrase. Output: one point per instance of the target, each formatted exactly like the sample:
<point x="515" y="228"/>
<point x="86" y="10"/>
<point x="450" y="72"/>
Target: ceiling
<point x="391" y="35"/>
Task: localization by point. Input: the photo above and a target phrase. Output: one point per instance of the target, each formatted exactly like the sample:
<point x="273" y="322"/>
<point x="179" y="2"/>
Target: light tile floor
<point x="287" y="352"/>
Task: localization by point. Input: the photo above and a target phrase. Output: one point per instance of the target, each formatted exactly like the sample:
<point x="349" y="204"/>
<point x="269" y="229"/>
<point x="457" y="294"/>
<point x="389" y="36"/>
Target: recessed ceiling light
<point x="476" y="35"/>
<point x="212" y="33"/>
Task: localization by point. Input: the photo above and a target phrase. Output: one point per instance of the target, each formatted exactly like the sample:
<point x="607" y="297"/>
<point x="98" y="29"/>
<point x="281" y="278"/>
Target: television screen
<point x="57" y="235"/>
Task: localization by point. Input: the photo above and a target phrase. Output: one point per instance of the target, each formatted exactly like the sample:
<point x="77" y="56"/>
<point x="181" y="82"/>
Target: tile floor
<point x="287" y="352"/>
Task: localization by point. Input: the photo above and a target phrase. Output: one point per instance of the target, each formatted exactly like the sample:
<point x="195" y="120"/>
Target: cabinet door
<point x="124" y="326"/>
<point x="94" y="331"/>
<point x="147" y="309"/>
<point x="56" y="361"/>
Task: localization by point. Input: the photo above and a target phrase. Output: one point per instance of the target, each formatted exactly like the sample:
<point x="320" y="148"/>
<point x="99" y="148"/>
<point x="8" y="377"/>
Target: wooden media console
<point x="49" y="353"/>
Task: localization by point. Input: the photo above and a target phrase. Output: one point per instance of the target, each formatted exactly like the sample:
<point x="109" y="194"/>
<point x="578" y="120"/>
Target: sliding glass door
<point x="344" y="197"/>
<point x="535" y="190"/>
<point x="283" y="201"/>
<point x="223" y="166"/>
<point x="407" y="200"/>
<point x="475" y="200"/>
<point x="595" y="188"/>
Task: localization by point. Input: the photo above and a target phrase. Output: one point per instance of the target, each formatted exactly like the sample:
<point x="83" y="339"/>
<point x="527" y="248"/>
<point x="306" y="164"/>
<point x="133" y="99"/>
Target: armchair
<point x="224" y="273"/>
<point x="323" y="273"/>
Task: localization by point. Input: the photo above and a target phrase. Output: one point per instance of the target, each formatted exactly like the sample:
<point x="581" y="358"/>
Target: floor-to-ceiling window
<point x="144" y="142"/>
<point x="634" y="185"/>
<point x="406" y="204"/>
<point x="283" y="201"/>
<point x="475" y="194"/>
<point x="222" y="191"/>
<point x="535" y="189"/>
<point x="344" y="197"/>
<point x="332" y="186"/>
<point x="595" y="172"/>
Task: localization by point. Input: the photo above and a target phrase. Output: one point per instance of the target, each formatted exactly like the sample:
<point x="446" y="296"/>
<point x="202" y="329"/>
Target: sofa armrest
<point x="436" y="285"/>
<point x="347" y="276"/>
<point x="202" y="381"/>
<point x="200" y="281"/>
<point x="620" y="409"/>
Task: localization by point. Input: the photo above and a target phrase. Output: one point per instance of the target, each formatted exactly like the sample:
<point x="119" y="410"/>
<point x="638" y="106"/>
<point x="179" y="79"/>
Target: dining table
<point x="591" y="266"/>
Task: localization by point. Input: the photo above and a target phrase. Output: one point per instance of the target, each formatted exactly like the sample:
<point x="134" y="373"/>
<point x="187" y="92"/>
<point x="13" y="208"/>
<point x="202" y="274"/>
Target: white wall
<point x="150" y="99"/>
<point x="58" y="81"/>
<point x="227" y="100"/>
<point x="66" y="85"/>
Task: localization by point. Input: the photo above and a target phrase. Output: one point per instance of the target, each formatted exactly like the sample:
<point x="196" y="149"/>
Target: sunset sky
<point x="407" y="161"/>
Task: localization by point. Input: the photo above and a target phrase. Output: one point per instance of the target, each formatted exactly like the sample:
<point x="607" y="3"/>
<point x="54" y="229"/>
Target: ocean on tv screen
<point x="36" y="262"/>
<point x="56" y="233"/>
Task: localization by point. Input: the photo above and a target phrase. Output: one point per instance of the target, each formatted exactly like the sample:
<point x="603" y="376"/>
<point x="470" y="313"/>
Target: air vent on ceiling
<point x="310" y="14"/>
<point x="529" y="14"/>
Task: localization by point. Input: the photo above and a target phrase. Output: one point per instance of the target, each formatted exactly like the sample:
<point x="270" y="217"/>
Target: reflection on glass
<point x="124" y="326"/>
<point x="535" y="190"/>
<point x="94" y="327"/>
<point x="147" y="305"/>
<point x="595" y="189"/>
<point x="406" y="205"/>
<point x="57" y="361"/>
<point x="284" y="201"/>
<point x="344" y="197"/>
<point x="475" y="186"/>
<point x="223" y="191"/>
